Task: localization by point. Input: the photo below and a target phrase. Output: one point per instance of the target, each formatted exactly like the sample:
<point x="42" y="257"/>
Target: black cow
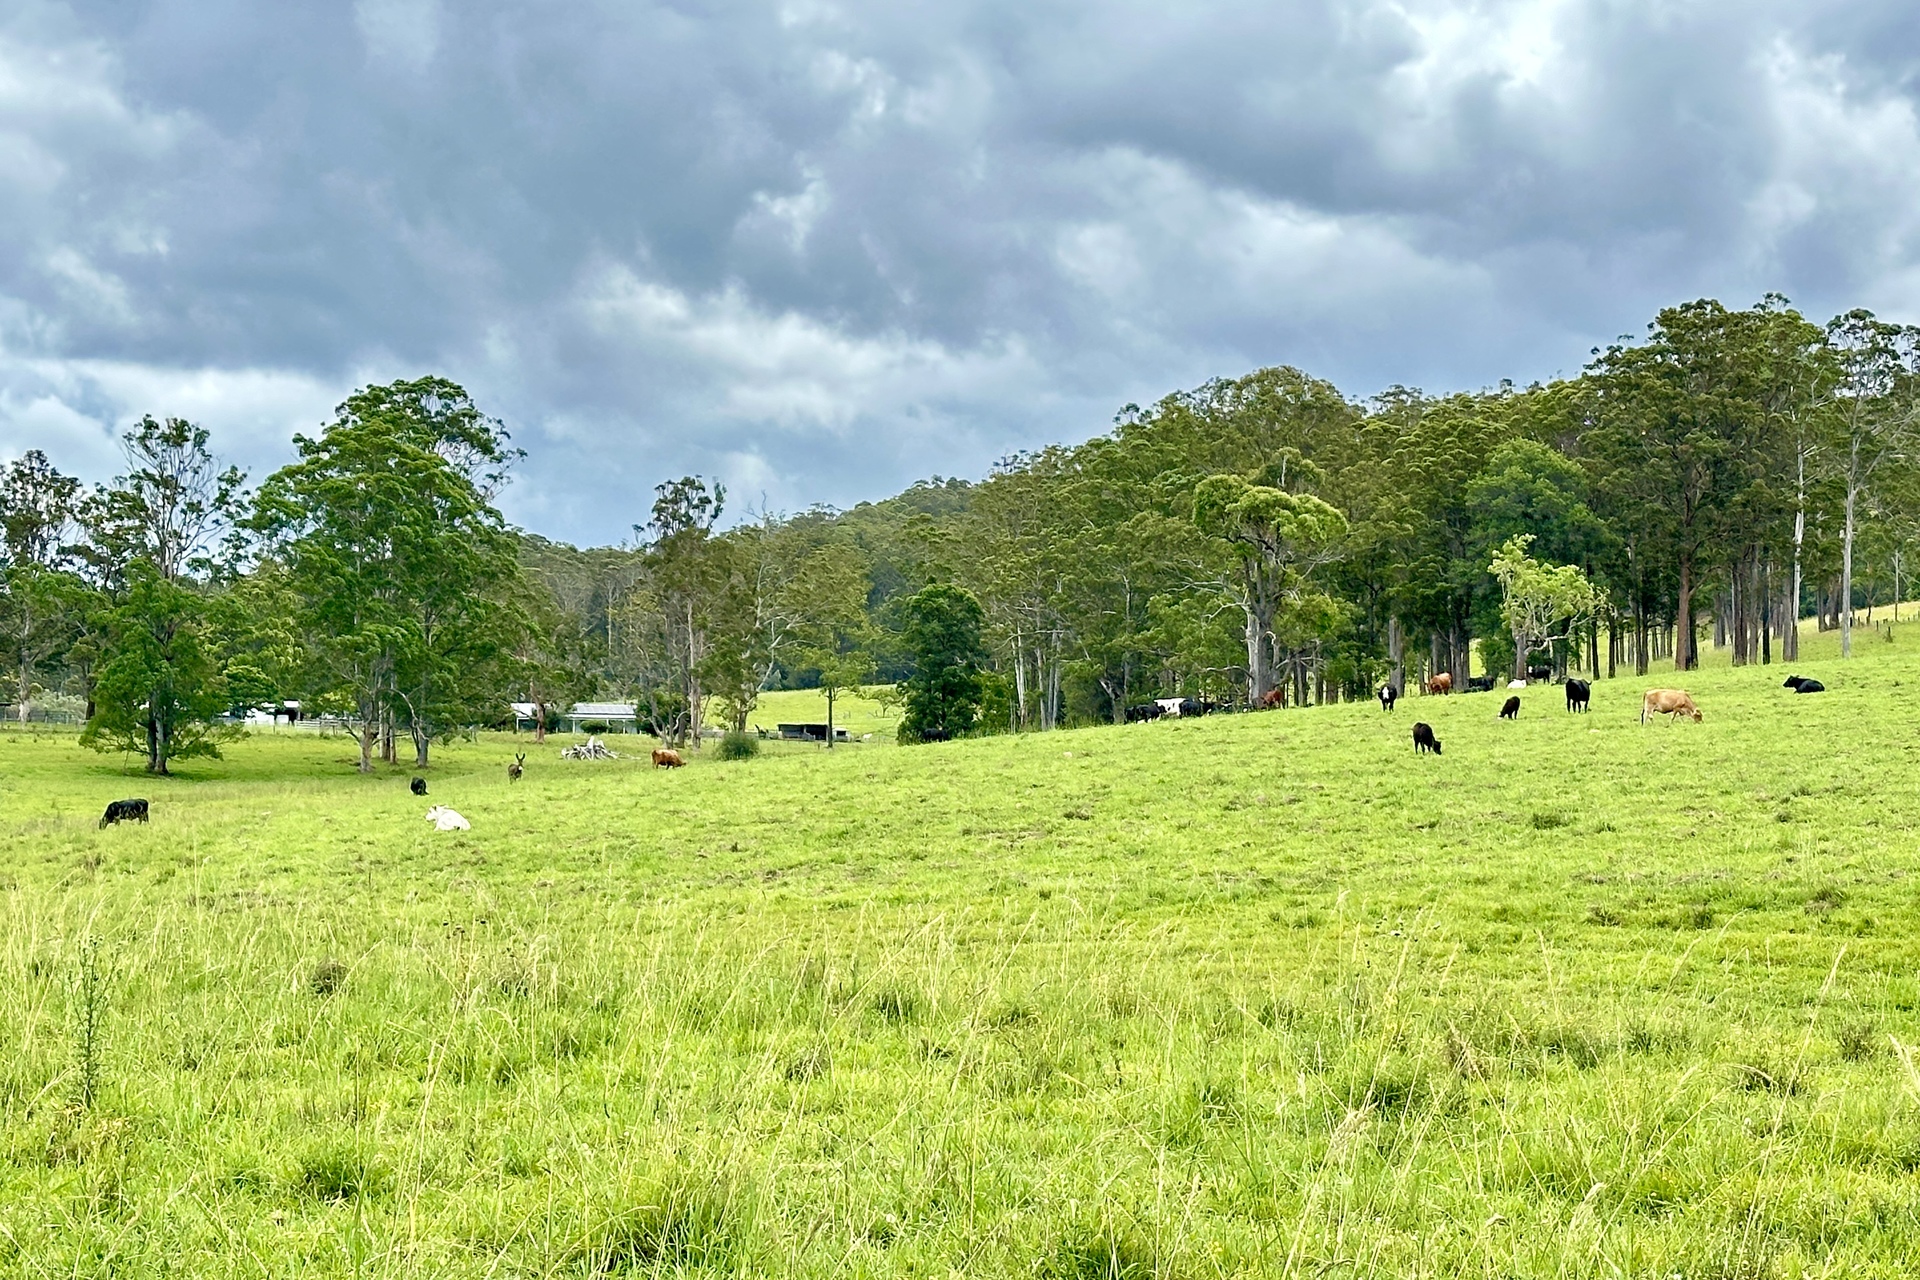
<point x="1539" y="673"/>
<point x="419" y="786"/>
<point x="1479" y="684"/>
<point x="1145" y="711"/>
<point x="1197" y="707"/>
<point x="1804" y="684"/>
<point x="1388" y="696"/>
<point x="1423" y="739"/>
<point x="1578" y="693"/>
<point x="124" y="811"/>
<point x="1510" y="709"/>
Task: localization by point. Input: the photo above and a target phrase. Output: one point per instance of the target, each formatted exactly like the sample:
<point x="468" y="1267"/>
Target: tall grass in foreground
<point x="1263" y="995"/>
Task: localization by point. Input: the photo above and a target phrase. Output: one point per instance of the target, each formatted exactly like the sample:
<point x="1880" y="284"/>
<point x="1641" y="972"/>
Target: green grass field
<point x="1252" y="995"/>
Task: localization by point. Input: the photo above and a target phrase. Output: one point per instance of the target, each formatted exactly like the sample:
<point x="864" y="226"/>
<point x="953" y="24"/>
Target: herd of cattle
<point x="1672" y="703"/>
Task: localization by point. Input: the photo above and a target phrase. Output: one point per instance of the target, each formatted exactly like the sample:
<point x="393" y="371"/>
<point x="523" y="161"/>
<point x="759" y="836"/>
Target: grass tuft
<point x="339" y="1173"/>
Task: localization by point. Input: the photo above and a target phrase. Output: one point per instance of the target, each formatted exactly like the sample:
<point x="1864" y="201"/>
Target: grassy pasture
<point x="1260" y="994"/>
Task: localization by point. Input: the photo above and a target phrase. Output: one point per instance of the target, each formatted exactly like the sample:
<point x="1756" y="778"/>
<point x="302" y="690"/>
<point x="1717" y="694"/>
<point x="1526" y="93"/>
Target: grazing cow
<point x="419" y="786"/>
<point x="1510" y="709"/>
<point x="124" y="811"/>
<point x="1423" y="739"/>
<point x="1578" y="692"/>
<point x="1273" y="698"/>
<point x="1673" y="703"/>
<point x="1480" y="684"/>
<point x="1804" y="684"/>
<point x="1442" y="683"/>
<point x="666" y="759"/>
<point x="1170" y="706"/>
<point x="518" y="767"/>
<point x="1145" y="711"/>
<point x="445" y="819"/>
<point x="1197" y="707"/>
<point x="1388" y="696"/>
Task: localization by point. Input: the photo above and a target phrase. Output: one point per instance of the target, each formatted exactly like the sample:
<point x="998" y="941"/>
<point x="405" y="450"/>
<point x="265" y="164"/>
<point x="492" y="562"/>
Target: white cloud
<point x="406" y="32"/>
<point x="788" y="369"/>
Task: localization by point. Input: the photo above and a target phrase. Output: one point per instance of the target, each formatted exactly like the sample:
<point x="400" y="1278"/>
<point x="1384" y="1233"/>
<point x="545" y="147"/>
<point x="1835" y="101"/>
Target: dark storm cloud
<point x="822" y="248"/>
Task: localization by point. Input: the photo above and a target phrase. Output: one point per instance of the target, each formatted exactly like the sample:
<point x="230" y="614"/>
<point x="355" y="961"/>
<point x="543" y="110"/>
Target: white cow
<point x="1169" y="706"/>
<point x="445" y="819"/>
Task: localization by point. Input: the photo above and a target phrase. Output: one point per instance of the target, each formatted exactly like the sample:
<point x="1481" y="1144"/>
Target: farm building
<point x="619" y="717"/>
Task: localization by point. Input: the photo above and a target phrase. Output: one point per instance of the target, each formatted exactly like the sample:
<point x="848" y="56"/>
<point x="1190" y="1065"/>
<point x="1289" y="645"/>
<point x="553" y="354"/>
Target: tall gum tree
<point x="1277" y="539"/>
<point x="395" y="551"/>
<point x="1876" y="420"/>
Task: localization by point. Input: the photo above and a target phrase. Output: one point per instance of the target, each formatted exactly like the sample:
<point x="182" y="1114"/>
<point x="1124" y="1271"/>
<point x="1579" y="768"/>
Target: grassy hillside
<point x="1260" y="994"/>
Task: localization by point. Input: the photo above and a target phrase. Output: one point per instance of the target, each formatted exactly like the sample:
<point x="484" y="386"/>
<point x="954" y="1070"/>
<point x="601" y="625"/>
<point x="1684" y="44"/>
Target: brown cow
<point x="1442" y="683"/>
<point x="1273" y="698"/>
<point x="665" y="759"/>
<point x="1670" y="702"/>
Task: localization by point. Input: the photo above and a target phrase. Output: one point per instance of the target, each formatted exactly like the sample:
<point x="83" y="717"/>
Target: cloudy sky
<point x="819" y="248"/>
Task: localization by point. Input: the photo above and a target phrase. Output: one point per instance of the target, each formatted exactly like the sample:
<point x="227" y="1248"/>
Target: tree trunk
<point x="1396" y="654"/>
<point x="829" y="717"/>
<point x="420" y="744"/>
<point x="1846" y="575"/>
<point x="1684" y="656"/>
<point x="540" y="721"/>
<point x="1259" y="654"/>
<point x="369" y="730"/>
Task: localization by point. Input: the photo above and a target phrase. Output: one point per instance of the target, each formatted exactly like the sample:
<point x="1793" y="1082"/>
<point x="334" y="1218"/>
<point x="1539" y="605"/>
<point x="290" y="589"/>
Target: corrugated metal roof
<point x="603" y="710"/>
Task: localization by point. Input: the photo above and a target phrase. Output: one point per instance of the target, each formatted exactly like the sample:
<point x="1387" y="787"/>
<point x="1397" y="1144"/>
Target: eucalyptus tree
<point x="1679" y="419"/>
<point x="685" y="577"/>
<point x="1276" y="540"/>
<point x="400" y="562"/>
<point x="1540" y="602"/>
<point x="41" y="601"/>
<point x="1876" y="423"/>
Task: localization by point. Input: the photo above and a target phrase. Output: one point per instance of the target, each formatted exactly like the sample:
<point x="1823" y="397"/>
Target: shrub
<point x="737" y="745"/>
<point x="327" y="977"/>
<point x="595" y="726"/>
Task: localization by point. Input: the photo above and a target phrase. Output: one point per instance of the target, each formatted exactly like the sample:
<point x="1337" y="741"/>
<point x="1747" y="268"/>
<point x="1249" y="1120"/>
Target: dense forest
<point x="1259" y="540"/>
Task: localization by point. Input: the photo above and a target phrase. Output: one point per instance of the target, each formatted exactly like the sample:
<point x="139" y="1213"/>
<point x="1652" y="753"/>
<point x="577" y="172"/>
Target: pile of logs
<point x="591" y="749"/>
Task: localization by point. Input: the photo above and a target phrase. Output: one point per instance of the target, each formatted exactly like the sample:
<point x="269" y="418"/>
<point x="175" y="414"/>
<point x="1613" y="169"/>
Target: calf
<point x="1388" y="696"/>
<point x="1578" y="692"/>
<point x="1804" y="684"/>
<point x="1510" y="709"/>
<point x="1273" y="698"/>
<point x="1442" y="683"/>
<point x="124" y="811"/>
<point x="445" y="819"/>
<point x="1423" y="739"/>
<point x="666" y="759"/>
<point x="419" y="786"/>
<point x="1671" y="703"/>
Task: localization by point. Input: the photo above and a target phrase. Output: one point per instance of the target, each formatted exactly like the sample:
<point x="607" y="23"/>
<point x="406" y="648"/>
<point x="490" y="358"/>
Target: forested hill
<point x="1261" y="538"/>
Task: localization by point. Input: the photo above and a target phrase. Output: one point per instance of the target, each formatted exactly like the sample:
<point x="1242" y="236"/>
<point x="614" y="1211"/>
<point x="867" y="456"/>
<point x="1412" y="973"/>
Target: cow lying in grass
<point x="124" y="811"/>
<point x="445" y="819"/>
<point x="1672" y="703"/>
<point x="1804" y="684"/>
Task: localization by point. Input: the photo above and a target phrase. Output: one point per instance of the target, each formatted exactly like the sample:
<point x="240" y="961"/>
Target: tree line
<point x="1259" y="540"/>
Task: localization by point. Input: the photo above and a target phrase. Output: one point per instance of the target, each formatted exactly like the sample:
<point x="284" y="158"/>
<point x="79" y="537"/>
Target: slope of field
<point x="1259" y="994"/>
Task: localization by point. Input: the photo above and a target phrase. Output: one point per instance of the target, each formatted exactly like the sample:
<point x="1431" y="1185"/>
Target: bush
<point x="595" y="726"/>
<point x="738" y="745"/>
